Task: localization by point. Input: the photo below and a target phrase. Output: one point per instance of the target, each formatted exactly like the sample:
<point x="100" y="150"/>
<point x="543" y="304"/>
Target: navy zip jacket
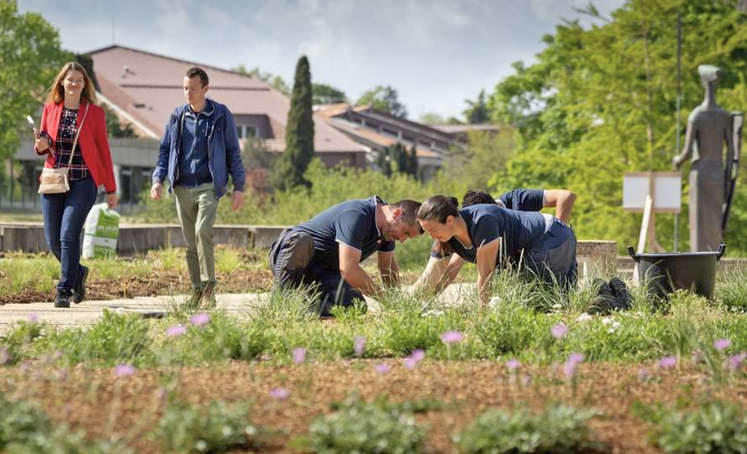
<point x="223" y="150"/>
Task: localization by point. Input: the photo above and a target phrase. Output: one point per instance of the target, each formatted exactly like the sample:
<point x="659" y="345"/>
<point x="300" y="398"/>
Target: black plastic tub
<point x="665" y="273"/>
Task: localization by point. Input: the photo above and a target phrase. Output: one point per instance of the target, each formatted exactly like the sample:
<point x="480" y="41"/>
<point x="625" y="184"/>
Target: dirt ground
<point x="160" y="283"/>
<point x="170" y="282"/>
<point x="90" y="399"/>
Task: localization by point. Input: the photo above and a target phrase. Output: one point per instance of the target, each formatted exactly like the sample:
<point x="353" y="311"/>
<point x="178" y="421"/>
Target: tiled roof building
<point x="144" y="88"/>
<point x="378" y="130"/>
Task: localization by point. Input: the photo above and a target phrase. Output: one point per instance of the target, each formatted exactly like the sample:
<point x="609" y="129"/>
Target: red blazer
<point x="92" y="140"/>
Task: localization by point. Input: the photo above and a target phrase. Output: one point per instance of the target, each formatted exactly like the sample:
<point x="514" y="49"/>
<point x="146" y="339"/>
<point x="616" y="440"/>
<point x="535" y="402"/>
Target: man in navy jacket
<point x="199" y="149"/>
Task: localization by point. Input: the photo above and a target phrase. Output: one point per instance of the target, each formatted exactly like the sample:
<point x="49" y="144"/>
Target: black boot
<point x="621" y="292"/>
<point x="79" y="292"/>
<point x="605" y="302"/>
<point x="62" y="299"/>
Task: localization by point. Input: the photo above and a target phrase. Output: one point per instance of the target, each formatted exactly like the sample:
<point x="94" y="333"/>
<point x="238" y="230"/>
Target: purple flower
<point x="176" y="330"/>
<point x="359" y="345"/>
<point x="667" y="362"/>
<point x="571" y="364"/>
<point x="32" y="317"/>
<point x="279" y="393"/>
<point x="735" y="361"/>
<point x="4" y="356"/>
<point x="299" y="355"/>
<point x="451" y="337"/>
<point x="513" y="365"/>
<point x="569" y="370"/>
<point x="200" y="319"/>
<point x="124" y="370"/>
<point x="415" y="357"/>
<point x="722" y="344"/>
<point x="382" y="368"/>
<point x="559" y="331"/>
<point x="576" y="358"/>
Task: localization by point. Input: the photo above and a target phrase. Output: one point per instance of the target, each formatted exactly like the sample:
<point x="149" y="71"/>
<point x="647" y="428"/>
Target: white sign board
<point x="666" y="186"/>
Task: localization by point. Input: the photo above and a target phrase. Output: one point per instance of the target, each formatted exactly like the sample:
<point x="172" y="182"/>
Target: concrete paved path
<point x="88" y="312"/>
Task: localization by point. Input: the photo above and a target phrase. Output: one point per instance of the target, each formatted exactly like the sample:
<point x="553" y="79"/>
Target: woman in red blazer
<point x="70" y="112"/>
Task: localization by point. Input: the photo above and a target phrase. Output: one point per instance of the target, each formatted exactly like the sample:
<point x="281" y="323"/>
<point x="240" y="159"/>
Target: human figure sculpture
<point x="708" y="127"/>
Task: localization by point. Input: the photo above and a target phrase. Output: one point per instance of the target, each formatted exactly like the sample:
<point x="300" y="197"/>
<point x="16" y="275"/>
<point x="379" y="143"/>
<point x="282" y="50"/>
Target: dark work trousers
<point x="292" y="263"/>
<point x="554" y="261"/>
<point x="64" y="217"/>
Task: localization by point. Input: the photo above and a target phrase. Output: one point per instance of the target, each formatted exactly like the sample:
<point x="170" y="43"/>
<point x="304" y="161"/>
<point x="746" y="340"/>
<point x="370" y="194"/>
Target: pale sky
<point x="436" y="53"/>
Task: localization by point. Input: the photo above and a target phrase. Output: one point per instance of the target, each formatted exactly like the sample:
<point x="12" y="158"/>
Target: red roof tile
<point x="148" y="87"/>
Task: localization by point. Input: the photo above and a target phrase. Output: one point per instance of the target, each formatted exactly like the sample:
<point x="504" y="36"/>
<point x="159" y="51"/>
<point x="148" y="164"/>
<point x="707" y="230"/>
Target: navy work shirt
<point x="352" y="223"/>
<point x="193" y="147"/>
<point x="486" y="223"/>
<point x="517" y="200"/>
<point x="524" y="199"/>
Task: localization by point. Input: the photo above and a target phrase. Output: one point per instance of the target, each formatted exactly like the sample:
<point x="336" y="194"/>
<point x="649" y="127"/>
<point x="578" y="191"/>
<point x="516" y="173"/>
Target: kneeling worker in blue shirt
<point x="327" y="250"/>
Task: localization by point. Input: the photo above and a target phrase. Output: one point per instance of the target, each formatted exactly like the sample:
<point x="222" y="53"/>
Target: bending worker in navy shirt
<point x="327" y="250"/>
<point x="518" y="200"/>
<point x="487" y="234"/>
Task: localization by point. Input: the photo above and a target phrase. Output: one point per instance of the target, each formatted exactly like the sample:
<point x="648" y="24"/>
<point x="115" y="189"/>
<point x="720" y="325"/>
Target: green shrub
<point x="216" y="427"/>
<point x="18" y="273"/>
<point x="114" y="339"/>
<point x="513" y="329"/>
<point x="366" y="428"/>
<point x="286" y="306"/>
<point x="19" y="420"/>
<point x="26" y="429"/>
<point x="557" y="429"/>
<point x="731" y="288"/>
<point x="405" y="332"/>
<point x="222" y="338"/>
<point x="714" y="427"/>
<point x="19" y="340"/>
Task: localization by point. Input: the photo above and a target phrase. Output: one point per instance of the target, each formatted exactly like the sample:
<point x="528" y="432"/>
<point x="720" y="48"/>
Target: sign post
<point x="649" y="193"/>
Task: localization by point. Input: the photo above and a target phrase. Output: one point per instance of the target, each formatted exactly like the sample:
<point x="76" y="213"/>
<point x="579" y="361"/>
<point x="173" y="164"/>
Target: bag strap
<point x="77" y="133"/>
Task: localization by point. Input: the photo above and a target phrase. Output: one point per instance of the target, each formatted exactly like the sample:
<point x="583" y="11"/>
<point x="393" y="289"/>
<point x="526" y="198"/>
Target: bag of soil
<point x="101" y="232"/>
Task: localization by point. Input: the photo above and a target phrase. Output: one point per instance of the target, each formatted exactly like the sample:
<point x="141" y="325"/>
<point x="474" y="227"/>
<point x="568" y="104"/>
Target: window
<point x="127" y="183"/>
<point x="246" y="131"/>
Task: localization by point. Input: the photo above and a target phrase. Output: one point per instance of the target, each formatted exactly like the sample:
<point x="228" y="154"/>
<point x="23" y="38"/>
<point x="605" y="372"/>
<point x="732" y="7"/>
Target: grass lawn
<point x="532" y="373"/>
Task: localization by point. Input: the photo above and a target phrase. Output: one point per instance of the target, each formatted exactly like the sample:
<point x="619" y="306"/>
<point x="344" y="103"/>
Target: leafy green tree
<point x="327" y="94"/>
<point x="477" y="111"/>
<point x="384" y="99"/>
<point x="299" y="133"/>
<point x="413" y="167"/>
<point x="600" y="102"/>
<point x="431" y="118"/>
<point x="383" y="162"/>
<point x="399" y="155"/>
<point x="397" y="158"/>
<point x="275" y="81"/>
<point x="115" y="127"/>
<point x="30" y="56"/>
<point x="484" y="157"/>
<point x="255" y="154"/>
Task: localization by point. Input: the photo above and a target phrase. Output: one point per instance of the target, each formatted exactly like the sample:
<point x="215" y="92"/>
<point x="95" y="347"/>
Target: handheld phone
<point x="31" y="122"/>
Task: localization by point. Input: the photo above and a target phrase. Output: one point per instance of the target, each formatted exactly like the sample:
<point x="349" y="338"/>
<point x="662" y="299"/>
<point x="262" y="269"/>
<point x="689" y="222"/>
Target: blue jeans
<point x="64" y="217"/>
<point x="554" y="261"/>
